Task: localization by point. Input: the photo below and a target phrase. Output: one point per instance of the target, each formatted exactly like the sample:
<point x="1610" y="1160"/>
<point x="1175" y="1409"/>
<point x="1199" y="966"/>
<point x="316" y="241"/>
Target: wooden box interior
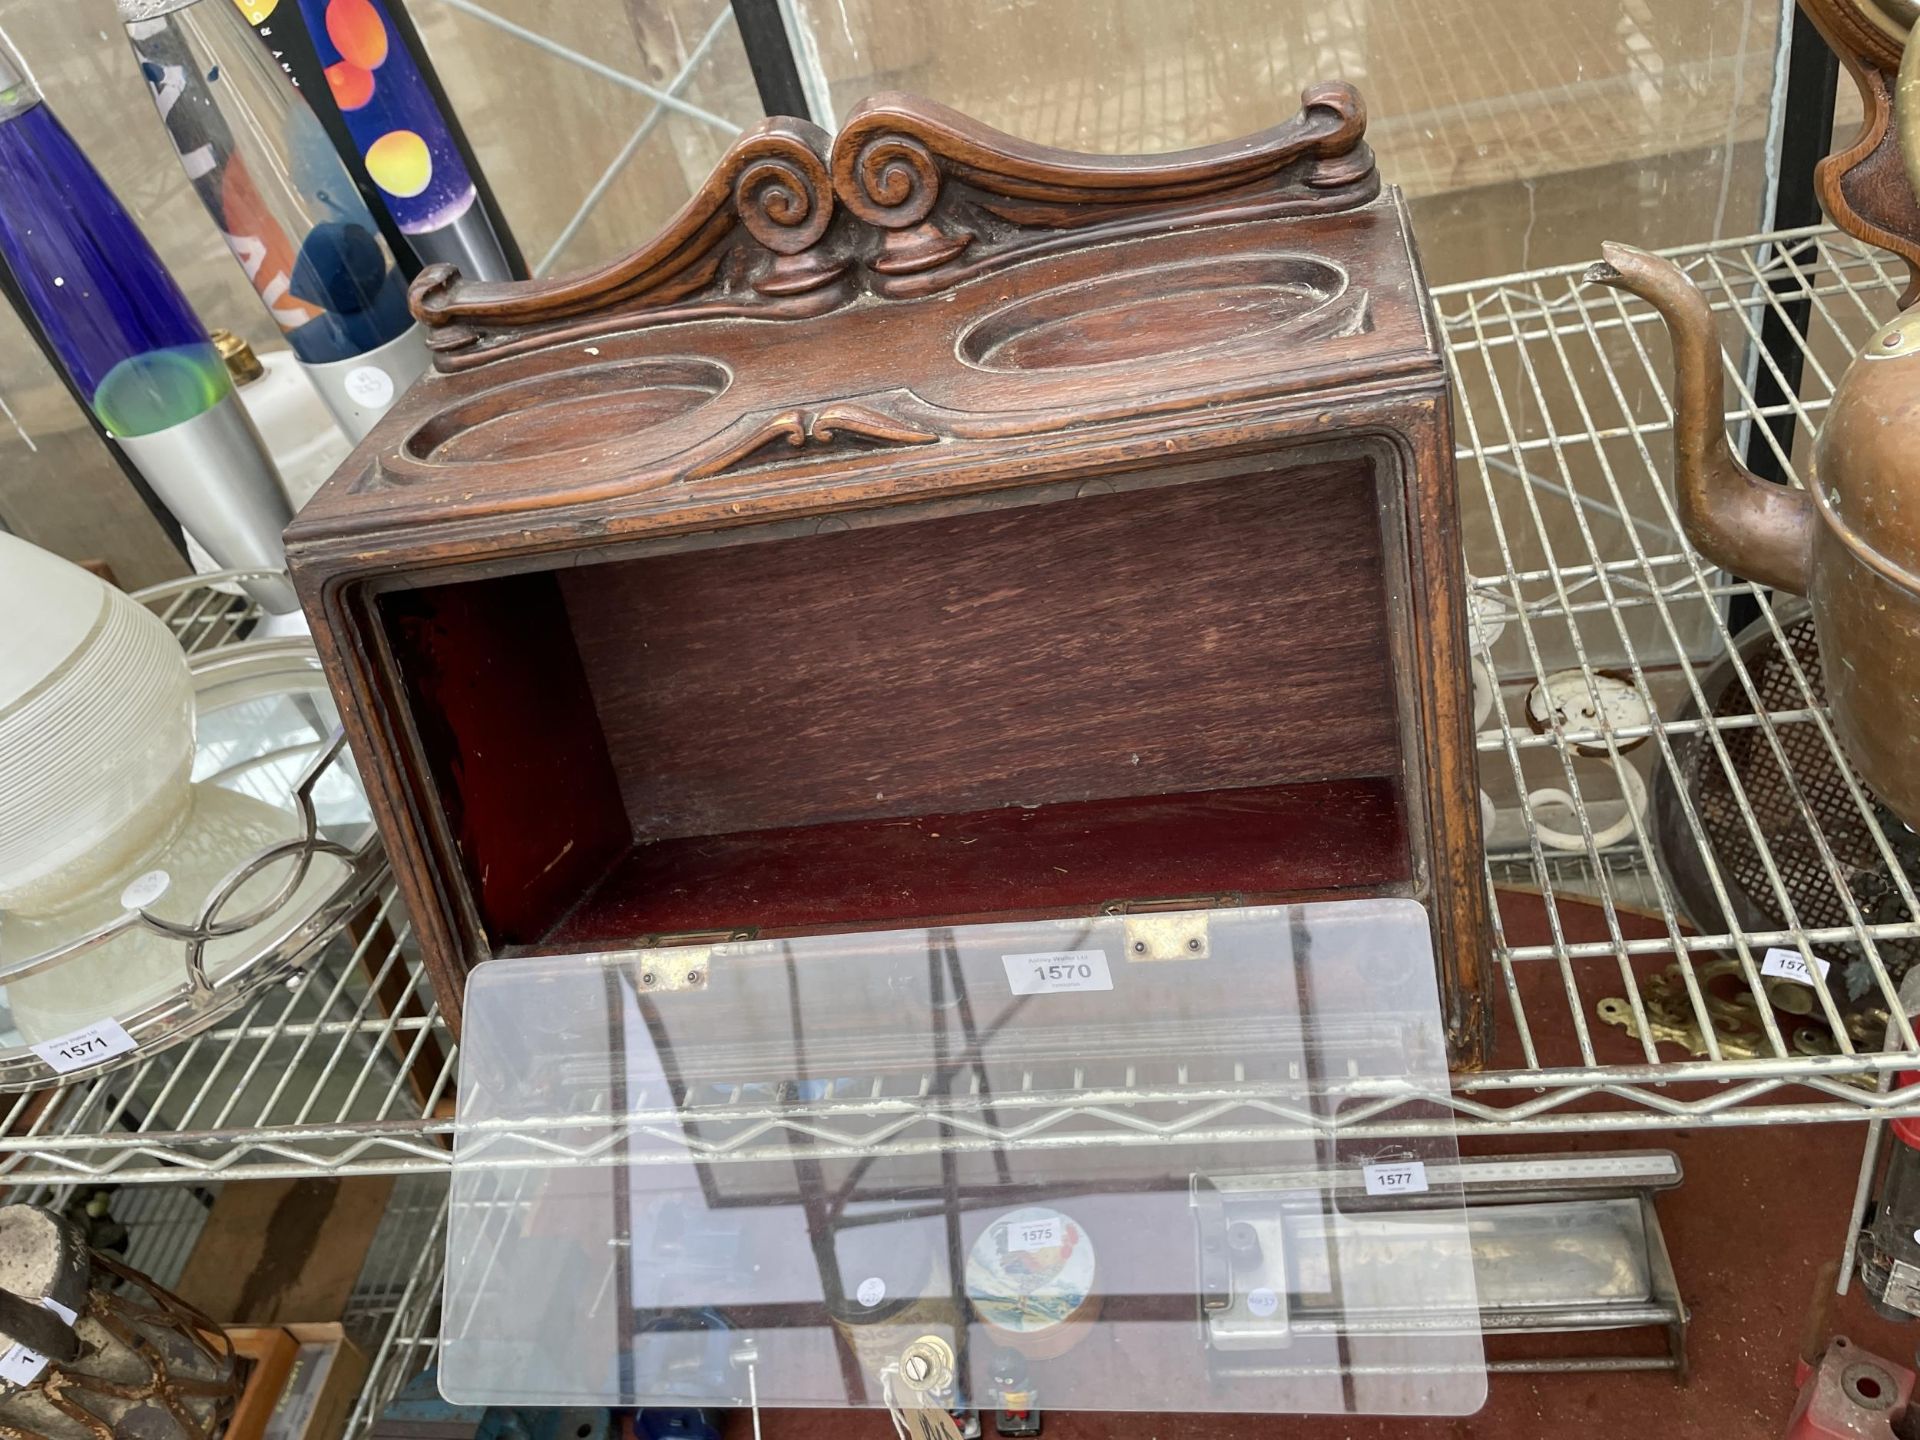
<point x="1156" y="686"/>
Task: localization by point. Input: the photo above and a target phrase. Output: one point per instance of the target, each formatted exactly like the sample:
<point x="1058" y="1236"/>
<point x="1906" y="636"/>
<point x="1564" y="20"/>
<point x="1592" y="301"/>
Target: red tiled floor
<point x="1760" y="1212"/>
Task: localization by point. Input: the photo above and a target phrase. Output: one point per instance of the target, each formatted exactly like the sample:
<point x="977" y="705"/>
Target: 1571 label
<point x="102" y="1040"/>
<point x="1050" y="972"/>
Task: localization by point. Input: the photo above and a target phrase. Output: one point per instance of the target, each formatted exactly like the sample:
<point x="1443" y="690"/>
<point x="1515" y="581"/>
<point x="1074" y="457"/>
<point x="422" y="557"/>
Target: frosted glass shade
<point x="96" y="758"/>
<point x="96" y="731"/>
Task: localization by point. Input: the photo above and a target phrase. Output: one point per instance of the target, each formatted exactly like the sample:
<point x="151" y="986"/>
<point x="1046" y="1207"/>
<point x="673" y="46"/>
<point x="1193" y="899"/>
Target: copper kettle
<point x="1850" y="542"/>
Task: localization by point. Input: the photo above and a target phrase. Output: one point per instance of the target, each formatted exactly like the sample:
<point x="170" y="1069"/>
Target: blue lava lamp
<point x="129" y="341"/>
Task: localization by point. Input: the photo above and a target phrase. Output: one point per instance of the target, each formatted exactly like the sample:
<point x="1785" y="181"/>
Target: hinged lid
<point x="1016" y="1143"/>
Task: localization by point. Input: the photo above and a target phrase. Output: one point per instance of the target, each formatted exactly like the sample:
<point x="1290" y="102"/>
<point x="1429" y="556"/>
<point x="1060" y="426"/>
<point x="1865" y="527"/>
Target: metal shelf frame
<point x="1562" y="418"/>
<point x="395" y="1310"/>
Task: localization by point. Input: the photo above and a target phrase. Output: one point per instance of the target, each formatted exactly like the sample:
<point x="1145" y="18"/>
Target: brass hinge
<point x="1168" y="929"/>
<point x="683" y="961"/>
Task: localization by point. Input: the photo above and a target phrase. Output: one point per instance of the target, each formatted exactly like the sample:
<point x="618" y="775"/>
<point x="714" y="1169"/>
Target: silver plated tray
<point x="266" y="729"/>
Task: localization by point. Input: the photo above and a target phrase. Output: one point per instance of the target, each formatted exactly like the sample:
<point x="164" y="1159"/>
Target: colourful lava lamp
<point x="129" y="341"/>
<point x="264" y="169"/>
<point x="402" y="136"/>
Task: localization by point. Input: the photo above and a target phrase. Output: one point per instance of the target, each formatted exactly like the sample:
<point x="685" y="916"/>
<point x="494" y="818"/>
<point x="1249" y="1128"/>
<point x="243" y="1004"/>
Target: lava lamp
<point x="263" y="167"/>
<point x="402" y="137"/>
<point x="129" y="341"/>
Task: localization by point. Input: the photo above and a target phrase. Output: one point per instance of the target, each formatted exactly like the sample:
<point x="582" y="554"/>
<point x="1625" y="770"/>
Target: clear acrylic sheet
<point x="1090" y="1158"/>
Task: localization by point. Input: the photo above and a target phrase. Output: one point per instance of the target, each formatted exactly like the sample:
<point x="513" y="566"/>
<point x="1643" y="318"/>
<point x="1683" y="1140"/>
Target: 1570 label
<point x="1050" y="972"/>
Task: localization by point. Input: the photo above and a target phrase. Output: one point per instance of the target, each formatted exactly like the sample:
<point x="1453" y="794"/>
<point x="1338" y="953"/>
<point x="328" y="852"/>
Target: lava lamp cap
<point x="242" y="364"/>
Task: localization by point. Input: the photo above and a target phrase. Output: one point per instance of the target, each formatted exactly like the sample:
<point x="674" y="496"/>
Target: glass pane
<point x="1524" y="130"/>
<point x="585" y="163"/>
<point x="1088" y="1159"/>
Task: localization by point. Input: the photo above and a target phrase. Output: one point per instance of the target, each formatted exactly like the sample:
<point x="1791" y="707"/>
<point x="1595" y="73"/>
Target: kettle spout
<point x="1758" y="530"/>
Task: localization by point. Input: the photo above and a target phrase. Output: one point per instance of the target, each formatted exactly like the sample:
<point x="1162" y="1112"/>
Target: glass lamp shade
<point x="96" y="732"/>
<point x="98" y="812"/>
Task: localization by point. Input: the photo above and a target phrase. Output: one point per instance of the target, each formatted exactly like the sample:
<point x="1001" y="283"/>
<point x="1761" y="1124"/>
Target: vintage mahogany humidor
<point x="925" y="526"/>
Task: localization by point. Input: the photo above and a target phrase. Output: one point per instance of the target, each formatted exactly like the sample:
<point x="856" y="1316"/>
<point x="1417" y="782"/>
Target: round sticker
<point x="143" y="890"/>
<point x="1030" y="1271"/>
<point x="872" y="1291"/>
<point x="368" y="385"/>
<point x="1262" y="1302"/>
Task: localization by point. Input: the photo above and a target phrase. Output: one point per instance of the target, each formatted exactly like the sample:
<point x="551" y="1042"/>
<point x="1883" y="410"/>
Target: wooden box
<point x="925" y="526"/>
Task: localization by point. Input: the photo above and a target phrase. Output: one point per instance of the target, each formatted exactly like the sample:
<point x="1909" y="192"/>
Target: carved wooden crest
<point x="908" y="199"/>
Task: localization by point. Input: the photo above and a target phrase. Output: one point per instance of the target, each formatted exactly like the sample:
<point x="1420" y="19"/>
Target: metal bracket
<point x="1167" y="937"/>
<point x="1176" y="929"/>
<point x="681" y="962"/>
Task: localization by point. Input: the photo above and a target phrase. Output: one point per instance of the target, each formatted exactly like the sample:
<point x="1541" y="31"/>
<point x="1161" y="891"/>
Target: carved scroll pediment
<point x="909" y="198"/>
<point x="949" y="198"/>
<point x="747" y="242"/>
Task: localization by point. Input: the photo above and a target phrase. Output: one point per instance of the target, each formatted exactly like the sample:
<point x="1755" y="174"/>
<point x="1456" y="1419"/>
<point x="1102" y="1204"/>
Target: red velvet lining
<point x="1263" y="843"/>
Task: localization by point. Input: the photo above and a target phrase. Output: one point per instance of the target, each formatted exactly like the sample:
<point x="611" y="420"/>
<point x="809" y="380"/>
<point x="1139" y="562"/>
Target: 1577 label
<point x="1051" y="972"/>
<point x="1397" y="1177"/>
<point x="1792" y="965"/>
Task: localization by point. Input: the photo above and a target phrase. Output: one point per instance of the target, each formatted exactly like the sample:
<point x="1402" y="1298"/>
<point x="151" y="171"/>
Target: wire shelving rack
<point x="1562" y="421"/>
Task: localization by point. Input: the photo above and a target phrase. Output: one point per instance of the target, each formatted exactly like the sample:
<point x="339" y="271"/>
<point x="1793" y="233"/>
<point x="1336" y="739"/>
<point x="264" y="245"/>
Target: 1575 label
<point x="1034" y="1234"/>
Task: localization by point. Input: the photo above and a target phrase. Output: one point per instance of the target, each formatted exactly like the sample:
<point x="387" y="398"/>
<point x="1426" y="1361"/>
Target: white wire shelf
<point x="394" y="1312"/>
<point x="1629" y="939"/>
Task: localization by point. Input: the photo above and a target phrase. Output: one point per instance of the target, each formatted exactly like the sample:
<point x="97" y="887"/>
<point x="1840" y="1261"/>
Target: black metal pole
<point x="770" y="52"/>
<point x="1813" y="73"/>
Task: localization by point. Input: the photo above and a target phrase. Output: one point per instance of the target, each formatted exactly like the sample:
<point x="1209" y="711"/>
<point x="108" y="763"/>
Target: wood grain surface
<point x="504" y="718"/>
<point x="787" y="525"/>
<point x="1223" y="633"/>
<point x="1267" y="844"/>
